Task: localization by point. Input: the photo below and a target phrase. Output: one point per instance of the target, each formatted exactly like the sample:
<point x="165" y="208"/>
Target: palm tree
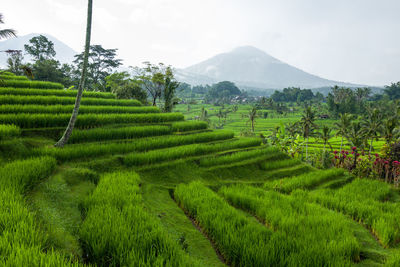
<point x="354" y="134"/>
<point x="325" y="135"/>
<point x="6" y="33"/>
<point x="71" y="124"/>
<point x="307" y="125"/>
<point x="372" y="125"/>
<point x="252" y="117"/>
<point x="390" y="130"/>
<point x="342" y="126"/>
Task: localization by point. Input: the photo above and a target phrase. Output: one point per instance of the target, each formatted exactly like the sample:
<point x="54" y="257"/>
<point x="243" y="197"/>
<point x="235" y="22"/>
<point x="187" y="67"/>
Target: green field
<point x="137" y="187"/>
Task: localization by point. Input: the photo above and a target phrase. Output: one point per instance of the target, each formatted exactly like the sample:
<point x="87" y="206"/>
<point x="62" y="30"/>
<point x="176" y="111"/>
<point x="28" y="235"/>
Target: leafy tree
<point x="6" y="33"/>
<point x="40" y="48"/>
<point x="101" y="64"/>
<point x="14" y="62"/>
<point x="307" y="125"/>
<point x="393" y="90"/>
<point x="372" y="125"/>
<point x="125" y="87"/>
<point x="170" y="87"/>
<point x="222" y="91"/>
<point x="342" y="100"/>
<point x="342" y="126"/>
<point x="71" y="124"/>
<point x="51" y="70"/>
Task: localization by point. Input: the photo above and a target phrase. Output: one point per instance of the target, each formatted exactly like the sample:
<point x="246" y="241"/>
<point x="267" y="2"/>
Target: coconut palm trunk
<point x="370" y="147"/>
<point x="71" y="124"/>
<point x="341" y="144"/>
<point x="307" y="149"/>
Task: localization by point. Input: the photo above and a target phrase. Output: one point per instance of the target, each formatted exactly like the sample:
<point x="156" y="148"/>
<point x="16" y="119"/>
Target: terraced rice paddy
<point x="137" y="187"/>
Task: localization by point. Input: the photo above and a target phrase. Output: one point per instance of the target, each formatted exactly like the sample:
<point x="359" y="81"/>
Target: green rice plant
<point x="239" y="156"/>
<point x="59" y="109"/>
<point x="71" y="152"/>
<point x="290" y="171"/>
<point x="393" y="260"/>
<point x="306" y="180"/>
<point x="31" y="84"/>
<point x="25" y="120"/>
<point x="21" y="241"/>
<point x="186" y="126"/>
<point x="55" y="100"/>
<point x="102" y="134"/>
<point x="156" y="156"/>
<point x="324" y="237"/>
<point x="22" y="175"/>
<point x="8" y="73"/>
<point x="9" y="131"/>
<point x="279" y="164"/>
<point x="13" y="77"/>
<point x="50" y="92"/>
<point x="118" y="231"/>
<point x="362" y="200"/>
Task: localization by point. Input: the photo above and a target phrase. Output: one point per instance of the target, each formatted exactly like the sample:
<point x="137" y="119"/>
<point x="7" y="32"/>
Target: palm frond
<point x="7" y="33"/>
<point x="1" y="19"/>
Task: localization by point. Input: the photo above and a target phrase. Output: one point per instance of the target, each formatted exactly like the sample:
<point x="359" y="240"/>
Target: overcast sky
<point x="346" y="40"/>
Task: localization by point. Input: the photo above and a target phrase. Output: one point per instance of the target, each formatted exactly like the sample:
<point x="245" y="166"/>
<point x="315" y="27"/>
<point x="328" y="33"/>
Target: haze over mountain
<point x="65" y="54"/>
<point x="251" y="67"/>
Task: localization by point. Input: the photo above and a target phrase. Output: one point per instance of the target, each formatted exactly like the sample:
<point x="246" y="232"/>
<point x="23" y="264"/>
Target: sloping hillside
<point x="137" y="187"/>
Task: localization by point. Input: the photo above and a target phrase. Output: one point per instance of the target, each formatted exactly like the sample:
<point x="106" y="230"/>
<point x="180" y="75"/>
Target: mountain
<point x="252" y="68"/>
<point x="65" y="54"/>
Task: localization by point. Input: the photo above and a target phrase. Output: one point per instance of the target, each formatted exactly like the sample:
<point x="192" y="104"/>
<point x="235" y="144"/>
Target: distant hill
<point x="65" y="54"/>
<point x="251" y="67"/>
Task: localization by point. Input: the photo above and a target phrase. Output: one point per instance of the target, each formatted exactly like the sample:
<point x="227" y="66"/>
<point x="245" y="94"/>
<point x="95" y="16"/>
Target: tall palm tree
<point x="355" y="135"/>
<point x="372" y="125"/>
<point x="307" y="125"/>
<point x="6" y="33"/>
<point x="71" y="124"/>
<point x="325" y="136"/>
<point x="252" y="117"/>
<point x="342" y="127"/>
<point x="390" y="129"/>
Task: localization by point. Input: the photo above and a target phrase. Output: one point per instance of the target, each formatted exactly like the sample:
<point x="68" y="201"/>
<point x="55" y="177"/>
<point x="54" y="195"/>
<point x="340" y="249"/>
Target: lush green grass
<point x="239" y="156"/>
<point x="67" y="100"/>
<point x="49" y="92"/>
<point x="324" y="237"/>
<point x="13" y="77"/>
<point x="305" y="181"/>
<point x="31" y="84"/>
<point x="9" y="131"/>
<point x="362" y="200"/>
<point x="156" y="156"/>
<point x="186" y="126"/>
<point x="79" y="151"/>
<point x="26" y="120"/>
<point x="102" y="134"/>
<point x="57" y="109"/>
<point x="118" y="231"/>
<point x="22" y="243"/>
<point x="279" y="164"/>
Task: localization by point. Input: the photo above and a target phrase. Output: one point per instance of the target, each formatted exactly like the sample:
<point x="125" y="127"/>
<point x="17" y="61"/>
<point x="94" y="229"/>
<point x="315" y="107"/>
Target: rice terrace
<point x="239" y="160"/>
